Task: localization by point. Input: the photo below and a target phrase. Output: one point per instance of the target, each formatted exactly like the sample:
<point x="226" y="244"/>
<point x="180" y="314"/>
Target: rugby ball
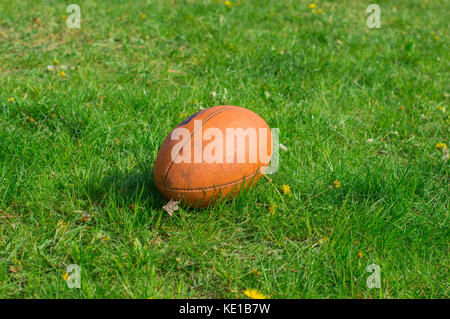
<point x="212" y="154"/>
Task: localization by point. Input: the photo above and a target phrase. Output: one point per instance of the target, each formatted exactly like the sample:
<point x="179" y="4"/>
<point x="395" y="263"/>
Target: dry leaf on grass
<point x="171" y="207"/>
<point x="13" y="270"/>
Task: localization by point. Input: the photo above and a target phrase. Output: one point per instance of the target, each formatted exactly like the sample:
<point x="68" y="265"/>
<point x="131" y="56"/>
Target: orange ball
<point x="212" y="154"/>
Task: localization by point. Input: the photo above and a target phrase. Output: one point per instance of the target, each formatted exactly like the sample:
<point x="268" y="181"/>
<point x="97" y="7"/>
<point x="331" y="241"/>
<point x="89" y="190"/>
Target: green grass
<point x="77" y="151"/>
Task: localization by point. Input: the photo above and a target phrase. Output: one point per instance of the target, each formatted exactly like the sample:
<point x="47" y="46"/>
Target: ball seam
<point x="245" y="178"/>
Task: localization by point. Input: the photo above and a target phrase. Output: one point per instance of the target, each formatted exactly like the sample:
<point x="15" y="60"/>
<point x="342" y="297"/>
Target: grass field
<point x="83" y="112"/>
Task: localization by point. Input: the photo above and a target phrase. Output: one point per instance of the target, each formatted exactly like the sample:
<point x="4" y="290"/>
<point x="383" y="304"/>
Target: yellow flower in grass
<point x="143" y="15"/>
<point x="360" y="254"/>
<point x="256" y="272"/>
<point x="440" y="146"/>
<point x="254" y="294"/>
<point x="286" y="189"/>
<point x="65" y="276"/>
<point x="312" y="5"/>
<point x="319" y="11"/>
<point x="11" y="99"/>
<point x="62" y="74"/>
<point x="228" y="4"/>
<point x="55" y="61"/>
<point x="272" y="208"/>
<point x="336" y="184"/>
<point x="401" y="107"/>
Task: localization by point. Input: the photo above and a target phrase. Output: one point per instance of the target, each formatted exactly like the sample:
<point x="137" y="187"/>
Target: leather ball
<point x="212" y="154"/>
